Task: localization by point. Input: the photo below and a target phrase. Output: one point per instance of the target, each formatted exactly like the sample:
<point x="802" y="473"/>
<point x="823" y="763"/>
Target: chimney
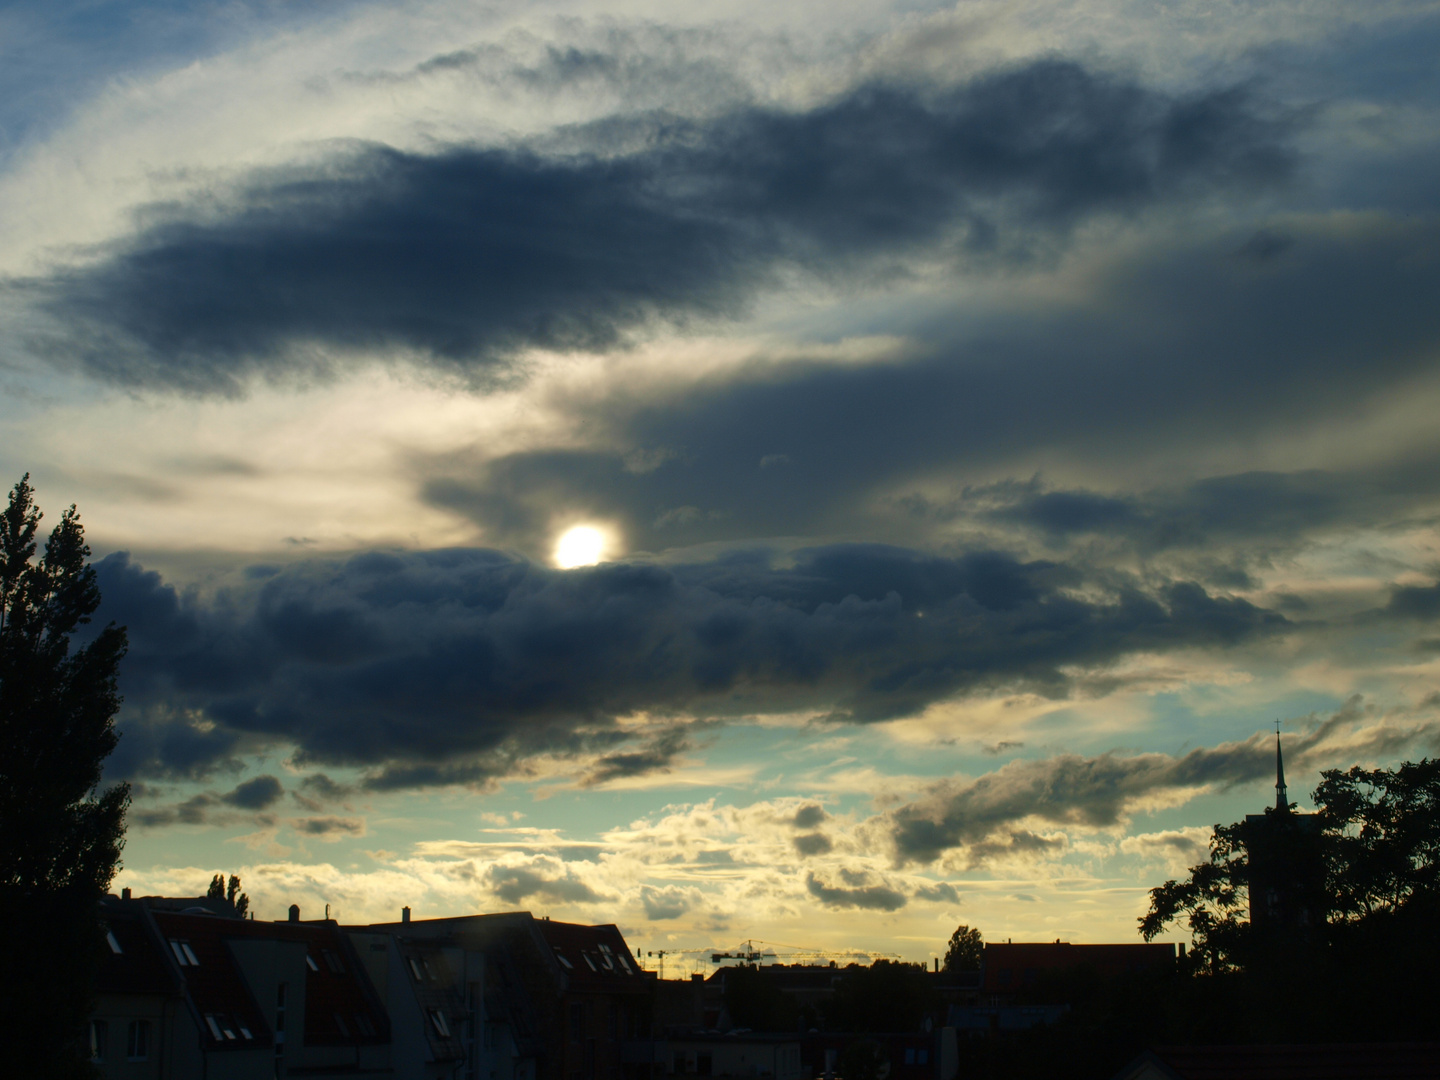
<point x="937" y="965"/>
<point x="125" y="893"/>
<point x="695" y="976"/>
<point x="404" y="914"/>
<point x="294" y="912"/>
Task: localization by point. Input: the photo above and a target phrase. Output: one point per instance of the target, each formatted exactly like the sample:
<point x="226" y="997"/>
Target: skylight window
<point x="568" y="966"/>
<point x="332" y="960"/>
<point x="214" y="1025"/>
<point x="438" y="1019"/>
<point x="591" y="963"/>
<point x="415" y="969"/>
<point x="184" y="955"/>
<point x="340" y="1023"/>
<point x="310" y="963"/>
<point x="114" y="944"/>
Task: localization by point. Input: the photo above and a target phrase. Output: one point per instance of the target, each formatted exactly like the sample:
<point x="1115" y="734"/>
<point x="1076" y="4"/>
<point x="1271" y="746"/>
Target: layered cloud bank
<point x="472" y="255"/>
<point x="454" y="666"/>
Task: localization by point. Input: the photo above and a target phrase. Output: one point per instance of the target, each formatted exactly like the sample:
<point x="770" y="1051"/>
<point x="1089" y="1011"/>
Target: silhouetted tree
<point x="60" y="837"/>
<point x="965" y="949"/>
<point x="1374" y="925"/>
<point x="220" y="891"/>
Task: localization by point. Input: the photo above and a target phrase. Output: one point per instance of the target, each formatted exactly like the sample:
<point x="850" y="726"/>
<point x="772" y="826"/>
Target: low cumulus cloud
<point x="541" y="878"/>
<point x="467" y="256"/>
<point x="432" y="668"/>
<point x="856" y="891"/>
<point x="669" y="902"/>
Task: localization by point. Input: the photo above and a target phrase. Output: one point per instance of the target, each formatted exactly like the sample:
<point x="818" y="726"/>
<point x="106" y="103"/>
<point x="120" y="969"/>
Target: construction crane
<point x="747" y="955"/>
<point x="752" y="955"/>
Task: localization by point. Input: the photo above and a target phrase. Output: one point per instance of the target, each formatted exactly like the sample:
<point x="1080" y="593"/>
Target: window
<point x="577" y="1021"/>
<point x="332" y="960"/>
<point x="1004" y="976"/>
<point x="922" y="1057"/>
<point x="99" y="1033"/>
<point x="184" y="955"/>
<point x="114" y="944"/>
<point x="363" y="1025"/>
<point x="415" y="970"/>
<point x="340" y="1023"/>
<point x="909" y="1055"/>
<point x="137" y="1043"/>
<point x="568" y="966"/>
<point x="214" y="1024"/>
<point x="590" y="962"/>
<point x="310" y="963"/>
<point x="438" y="1019"/>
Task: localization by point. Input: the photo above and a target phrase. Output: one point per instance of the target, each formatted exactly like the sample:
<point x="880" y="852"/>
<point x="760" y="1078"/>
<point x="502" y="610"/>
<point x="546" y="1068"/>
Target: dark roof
<point x="594" y="957"/>
<point x="437" y="988"/>
<point x="214" y="983"/>
<point x="1061" y="955"/>
<point x="140" y="967"/>
<point x="341" y="1008"/>
<point x="1342" y="1061"/>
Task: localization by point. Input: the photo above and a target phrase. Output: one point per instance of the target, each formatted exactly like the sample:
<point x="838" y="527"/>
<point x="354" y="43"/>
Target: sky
<point x="807" y="473"/>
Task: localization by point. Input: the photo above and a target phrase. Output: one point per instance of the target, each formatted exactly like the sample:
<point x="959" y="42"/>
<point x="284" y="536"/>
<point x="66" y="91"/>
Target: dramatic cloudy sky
<point x="989" y="419"/>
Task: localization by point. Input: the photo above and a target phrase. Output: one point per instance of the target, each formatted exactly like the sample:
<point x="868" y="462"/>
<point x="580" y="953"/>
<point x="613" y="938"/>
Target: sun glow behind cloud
<point x="582" y="545"/>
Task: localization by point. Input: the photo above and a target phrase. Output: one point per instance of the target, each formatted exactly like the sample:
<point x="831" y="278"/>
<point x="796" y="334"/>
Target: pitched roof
<point x="594" y="957"/>
<point x="230" y="1017"/>
<point x="139" y="967"/>
<point x="341" y="1008"/>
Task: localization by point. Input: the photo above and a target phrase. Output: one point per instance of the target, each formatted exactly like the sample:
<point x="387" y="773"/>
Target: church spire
<point x="1282" y="804"/>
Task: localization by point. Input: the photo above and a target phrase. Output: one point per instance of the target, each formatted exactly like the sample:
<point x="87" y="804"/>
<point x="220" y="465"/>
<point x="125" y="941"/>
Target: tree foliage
<point x="1383" y="832"/>
<point x="219" y="890"/>
<point x="965" y="949"/>
<point x="60" y="836"/>
<point x="1378" y="842"/>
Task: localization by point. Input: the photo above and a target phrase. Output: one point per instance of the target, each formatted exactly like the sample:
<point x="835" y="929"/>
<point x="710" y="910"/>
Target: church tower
<point x="1287" y="875"/>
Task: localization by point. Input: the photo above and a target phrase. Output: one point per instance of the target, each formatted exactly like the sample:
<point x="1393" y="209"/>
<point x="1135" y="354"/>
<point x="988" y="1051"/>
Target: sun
<point x="582" y="545"/>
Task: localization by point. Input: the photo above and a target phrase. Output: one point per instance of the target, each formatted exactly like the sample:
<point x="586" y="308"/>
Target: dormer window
<point x="184" y="955"/>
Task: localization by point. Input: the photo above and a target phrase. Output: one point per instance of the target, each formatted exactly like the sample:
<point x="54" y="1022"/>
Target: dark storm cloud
<point x="455" y="667"/>
<point x="471" y="254"/>
<point x="868" y="897"/>
<point x="983" y="816"/>
<point x="255" y="794"/>
<point x="1344" y="317"/>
